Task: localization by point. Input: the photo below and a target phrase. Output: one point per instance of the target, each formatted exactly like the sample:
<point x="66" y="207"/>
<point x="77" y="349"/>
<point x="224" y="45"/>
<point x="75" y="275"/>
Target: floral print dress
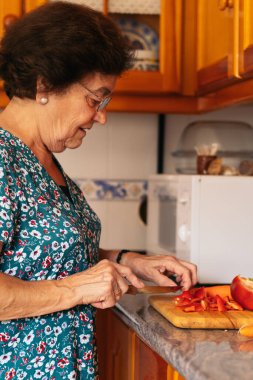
<point x="45" y="236"/>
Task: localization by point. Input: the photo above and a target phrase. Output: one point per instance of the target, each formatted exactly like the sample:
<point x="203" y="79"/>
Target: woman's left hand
<point x="158" y="268"/>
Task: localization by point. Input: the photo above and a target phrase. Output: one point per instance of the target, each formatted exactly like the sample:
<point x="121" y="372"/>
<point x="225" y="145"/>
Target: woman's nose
<point x="101" y="116"/>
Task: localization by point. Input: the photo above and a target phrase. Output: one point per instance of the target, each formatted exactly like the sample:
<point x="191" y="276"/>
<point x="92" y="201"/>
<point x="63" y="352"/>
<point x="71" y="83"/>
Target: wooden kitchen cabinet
<point x="246" y="38"/>
<point x="31" y="4"/>
<point x="124" y="356"/>
<point x="150" y="366"/>
<point x="115" y="347"/>
<point x="166" y="21"/>
<point x="9" y="12"/>
<point x="167" y="24"/>
<point x="217" y="36"/>
<point x="167" y="79"/>
<point x="11" y="9"/>
<point x="220" y="35"/>
<point x="205" y="55"/>
<point x="146" y="85"/>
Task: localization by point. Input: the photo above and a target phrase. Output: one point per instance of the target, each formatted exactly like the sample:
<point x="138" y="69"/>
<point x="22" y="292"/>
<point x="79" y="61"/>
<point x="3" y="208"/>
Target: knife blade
<point x="153" y="289"/>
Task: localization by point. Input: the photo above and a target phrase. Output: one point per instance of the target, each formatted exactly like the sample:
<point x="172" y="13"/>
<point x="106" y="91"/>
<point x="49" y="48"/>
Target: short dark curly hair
<point x="60" y="42"/>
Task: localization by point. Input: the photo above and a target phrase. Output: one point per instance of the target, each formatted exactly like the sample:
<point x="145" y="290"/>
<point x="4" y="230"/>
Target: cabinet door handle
<point x="8" y="20"/>
<point x="230" y="3"/>
<point x="222" y="4"/>
<point x="105" y="7"/>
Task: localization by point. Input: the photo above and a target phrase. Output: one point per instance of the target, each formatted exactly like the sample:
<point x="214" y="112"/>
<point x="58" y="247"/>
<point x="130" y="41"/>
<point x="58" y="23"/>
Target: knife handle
<point x="132" y="290"/>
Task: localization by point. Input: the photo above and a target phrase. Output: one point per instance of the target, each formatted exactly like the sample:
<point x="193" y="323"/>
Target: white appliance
<point x="207" y="220"/>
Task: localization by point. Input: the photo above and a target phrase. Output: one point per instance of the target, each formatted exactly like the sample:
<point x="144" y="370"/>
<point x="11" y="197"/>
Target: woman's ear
<point x="41" y="85"/>
<point x="41" y="92"/>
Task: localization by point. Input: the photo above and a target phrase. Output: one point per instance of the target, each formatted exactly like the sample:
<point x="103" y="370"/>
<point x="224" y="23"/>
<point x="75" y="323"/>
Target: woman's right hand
<point x="103" y="284"/>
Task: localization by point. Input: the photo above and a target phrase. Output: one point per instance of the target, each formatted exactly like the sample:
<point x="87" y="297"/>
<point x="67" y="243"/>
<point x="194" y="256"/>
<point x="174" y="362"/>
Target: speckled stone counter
<point x="196" y="354"/>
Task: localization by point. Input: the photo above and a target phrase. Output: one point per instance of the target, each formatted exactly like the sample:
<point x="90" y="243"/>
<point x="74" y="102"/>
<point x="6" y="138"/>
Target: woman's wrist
<point x="120" y="255"/>
<point x="127" y="257"/>
<point x="108" y="254"/>
<point x="70" y="292"/>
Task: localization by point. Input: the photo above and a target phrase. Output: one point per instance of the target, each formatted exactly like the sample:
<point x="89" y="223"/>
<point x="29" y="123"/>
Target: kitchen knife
<point x="153" y="289"/>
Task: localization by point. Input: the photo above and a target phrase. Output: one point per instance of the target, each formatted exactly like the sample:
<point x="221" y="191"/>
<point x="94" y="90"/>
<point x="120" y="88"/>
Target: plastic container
<point x="235" y="140"/>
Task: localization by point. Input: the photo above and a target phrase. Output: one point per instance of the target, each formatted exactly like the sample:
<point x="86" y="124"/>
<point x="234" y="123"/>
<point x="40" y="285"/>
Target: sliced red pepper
<point x="212" y="300"/>
<point x="200" y="293"/>
<point x="204" y="304"/>
<point x="220" y="303"/>
<point x="234" y="305"/>
<point x="190" y="308"/>
<point x="185" y="294"/>
<point x="196" y="299"/>
<point x="183" y="302"/>
<point x="213" y="307"/>
<point x="199" y="307"/>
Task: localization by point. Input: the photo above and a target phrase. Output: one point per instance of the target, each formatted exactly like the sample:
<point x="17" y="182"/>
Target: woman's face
<point x="67" y="116"/>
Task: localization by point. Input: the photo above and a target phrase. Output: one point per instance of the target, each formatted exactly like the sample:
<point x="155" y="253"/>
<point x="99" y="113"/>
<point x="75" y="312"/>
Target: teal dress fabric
<point x="46" y="236"/>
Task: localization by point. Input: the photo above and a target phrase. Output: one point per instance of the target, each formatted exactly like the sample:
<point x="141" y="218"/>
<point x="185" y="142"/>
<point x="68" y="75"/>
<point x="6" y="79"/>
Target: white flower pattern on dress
<point x="45" y="235"/>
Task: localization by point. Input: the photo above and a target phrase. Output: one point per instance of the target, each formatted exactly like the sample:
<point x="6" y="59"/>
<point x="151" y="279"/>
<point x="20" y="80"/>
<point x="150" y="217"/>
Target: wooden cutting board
<point x="200" y="320"/>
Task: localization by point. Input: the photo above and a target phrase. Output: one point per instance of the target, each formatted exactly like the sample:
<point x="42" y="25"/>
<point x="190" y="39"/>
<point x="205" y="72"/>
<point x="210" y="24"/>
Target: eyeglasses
<point x="98" y="103"/>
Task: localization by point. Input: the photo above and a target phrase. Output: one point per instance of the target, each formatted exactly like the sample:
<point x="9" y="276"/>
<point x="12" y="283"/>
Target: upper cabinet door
<point x="13" y="9"/>
<point x="217" y="43"/>
<point x="246" y="38"/>
<point x="9" y="12"/>
<point x="154" y="29"/>
<point x="31" y="4"/>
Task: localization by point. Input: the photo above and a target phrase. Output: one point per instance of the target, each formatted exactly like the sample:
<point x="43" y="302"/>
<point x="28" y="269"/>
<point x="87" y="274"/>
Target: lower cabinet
<point x="148" y="365"/>
<point x="124" y="356"/>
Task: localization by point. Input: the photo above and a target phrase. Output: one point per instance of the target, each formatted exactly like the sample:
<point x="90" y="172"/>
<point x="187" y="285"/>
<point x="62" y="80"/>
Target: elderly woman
<point x="59" y="65"/>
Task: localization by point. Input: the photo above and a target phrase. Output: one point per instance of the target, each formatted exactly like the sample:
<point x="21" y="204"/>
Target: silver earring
<point x="43" y="100"/>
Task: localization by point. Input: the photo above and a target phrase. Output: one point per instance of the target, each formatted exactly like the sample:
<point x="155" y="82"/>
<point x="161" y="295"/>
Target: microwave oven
<point x="207" y="220"/>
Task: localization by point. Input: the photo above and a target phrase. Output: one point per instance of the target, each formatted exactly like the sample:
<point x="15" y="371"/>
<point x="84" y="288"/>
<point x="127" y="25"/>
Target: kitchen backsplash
<point x="118" y="203"/>
<point x="112" y="167"/>
<point x="101" y="189"/>
<point x="124" y="148"/>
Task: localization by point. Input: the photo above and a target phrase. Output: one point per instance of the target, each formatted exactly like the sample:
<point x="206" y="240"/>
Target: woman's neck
<point x="19" y="118"/>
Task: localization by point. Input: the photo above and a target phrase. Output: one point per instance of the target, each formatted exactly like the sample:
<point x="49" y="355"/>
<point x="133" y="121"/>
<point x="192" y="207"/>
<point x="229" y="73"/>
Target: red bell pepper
<point x="220" y="303"/>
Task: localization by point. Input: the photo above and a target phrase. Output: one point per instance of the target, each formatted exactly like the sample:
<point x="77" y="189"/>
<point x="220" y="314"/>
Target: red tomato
<point x="242" y="291"/>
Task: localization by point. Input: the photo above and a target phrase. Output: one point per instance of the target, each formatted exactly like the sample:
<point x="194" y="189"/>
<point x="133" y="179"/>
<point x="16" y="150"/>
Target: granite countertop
<point x="196" y="354"/>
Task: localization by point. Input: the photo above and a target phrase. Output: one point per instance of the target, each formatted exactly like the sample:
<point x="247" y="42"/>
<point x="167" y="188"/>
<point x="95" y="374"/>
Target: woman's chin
<point x="73" y="144"/>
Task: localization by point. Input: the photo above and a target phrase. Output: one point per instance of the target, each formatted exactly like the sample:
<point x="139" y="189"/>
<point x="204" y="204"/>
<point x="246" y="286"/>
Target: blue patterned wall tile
<point x="103" y="189"/>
